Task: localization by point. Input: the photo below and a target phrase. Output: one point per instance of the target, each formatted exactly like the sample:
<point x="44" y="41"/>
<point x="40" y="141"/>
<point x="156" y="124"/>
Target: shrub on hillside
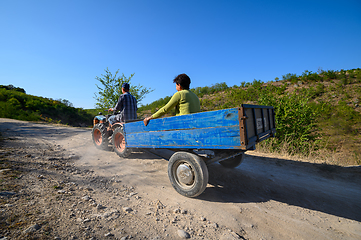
<point x="295" y="119"/>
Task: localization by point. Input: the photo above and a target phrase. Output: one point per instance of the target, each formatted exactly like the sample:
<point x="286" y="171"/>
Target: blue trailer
<point x="198" y="139"/>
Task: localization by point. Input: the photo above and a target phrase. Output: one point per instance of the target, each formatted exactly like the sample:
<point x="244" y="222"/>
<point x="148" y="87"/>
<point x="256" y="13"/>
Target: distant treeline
<point x="11" y="87"/>
<point x="16" y="104"/>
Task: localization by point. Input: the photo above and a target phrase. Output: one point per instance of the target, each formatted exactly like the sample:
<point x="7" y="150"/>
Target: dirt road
<point x="57" y="185"/>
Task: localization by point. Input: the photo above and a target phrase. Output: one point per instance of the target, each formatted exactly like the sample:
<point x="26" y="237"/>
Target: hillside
<point x="16" y="104"/>
<point x="318" y="114"/>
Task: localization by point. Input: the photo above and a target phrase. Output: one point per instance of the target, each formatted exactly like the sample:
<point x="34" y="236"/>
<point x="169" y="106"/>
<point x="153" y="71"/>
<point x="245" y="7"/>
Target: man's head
<point x="125" y="87"/>
<point x="183" y="80"/>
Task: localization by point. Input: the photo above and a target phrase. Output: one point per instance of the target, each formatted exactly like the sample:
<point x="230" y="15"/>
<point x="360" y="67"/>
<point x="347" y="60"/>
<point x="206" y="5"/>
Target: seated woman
<point x="184" y="101"/>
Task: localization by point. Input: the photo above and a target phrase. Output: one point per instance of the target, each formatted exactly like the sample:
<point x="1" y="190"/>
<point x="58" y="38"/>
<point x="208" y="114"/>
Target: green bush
<point x="314" y="92"/>
<point x="358" y="76"/>
<point x="290" y="77"/>
<point x="295" y="119"/>
<point x="330" y="74"/>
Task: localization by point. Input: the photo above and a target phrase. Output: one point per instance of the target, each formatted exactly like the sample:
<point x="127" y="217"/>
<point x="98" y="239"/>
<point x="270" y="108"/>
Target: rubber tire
<point x="100" y="136"/>
<point x="119" y="144"/>
<point x="233" y="162"/>
<point x="199" y="170"/>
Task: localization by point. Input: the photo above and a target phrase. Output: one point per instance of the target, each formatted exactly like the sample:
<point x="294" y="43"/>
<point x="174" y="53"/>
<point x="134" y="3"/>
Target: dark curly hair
<point x="183" y="80"/>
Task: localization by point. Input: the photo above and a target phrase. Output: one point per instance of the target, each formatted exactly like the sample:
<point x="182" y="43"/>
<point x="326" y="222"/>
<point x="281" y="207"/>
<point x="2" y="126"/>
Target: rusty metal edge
<point x="242" y="128"/>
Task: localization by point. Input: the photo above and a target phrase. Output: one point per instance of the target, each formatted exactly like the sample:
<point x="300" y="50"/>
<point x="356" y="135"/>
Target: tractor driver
<point x="184" y="101"/>
<point x="127" y="105"/>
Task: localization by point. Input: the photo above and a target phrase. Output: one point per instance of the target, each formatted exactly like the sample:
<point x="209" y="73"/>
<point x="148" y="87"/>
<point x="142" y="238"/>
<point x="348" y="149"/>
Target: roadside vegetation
<point x="318" y="114"/>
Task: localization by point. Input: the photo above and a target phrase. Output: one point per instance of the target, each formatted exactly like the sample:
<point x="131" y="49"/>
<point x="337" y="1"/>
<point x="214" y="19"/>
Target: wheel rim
<point x="119" y="142"/>
<point x="184" y="174"/>
<point x="97" y="137"/>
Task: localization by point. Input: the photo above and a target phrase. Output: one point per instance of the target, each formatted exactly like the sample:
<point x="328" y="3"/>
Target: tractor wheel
<point x="119" y="144"/>
<point x="187" y="173"/>
<point x="233" y="162"/>
<point x="100" y="136"/>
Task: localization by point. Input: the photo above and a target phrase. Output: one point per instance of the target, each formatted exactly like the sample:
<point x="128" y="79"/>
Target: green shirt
<point x="184" y="101"/>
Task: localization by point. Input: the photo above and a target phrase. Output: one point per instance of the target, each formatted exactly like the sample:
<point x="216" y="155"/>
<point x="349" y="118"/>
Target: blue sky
<point x="56" y="48"/>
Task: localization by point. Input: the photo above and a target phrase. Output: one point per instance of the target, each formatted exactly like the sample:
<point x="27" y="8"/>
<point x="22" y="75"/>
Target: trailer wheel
<point x="187" y="173"/>
<point x="119" y="144"/>
<point x="100" y="136"/>
<point x="233" y="162"/>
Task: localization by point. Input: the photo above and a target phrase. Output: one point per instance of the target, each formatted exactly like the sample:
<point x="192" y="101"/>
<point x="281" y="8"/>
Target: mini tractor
<point x="106" y="135"/>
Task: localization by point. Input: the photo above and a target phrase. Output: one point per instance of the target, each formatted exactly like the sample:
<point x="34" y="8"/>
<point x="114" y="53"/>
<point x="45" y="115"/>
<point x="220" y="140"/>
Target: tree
<point x="108" y="94"/>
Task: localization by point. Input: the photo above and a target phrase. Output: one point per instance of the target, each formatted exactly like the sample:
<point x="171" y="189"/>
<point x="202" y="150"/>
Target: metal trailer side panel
<point x="204" y="130"/>
<point x="234" y="128"/>
<point x="203" y="138"/>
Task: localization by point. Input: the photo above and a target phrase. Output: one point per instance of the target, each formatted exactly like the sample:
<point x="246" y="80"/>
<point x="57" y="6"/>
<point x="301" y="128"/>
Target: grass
<point x="318" y="156"/>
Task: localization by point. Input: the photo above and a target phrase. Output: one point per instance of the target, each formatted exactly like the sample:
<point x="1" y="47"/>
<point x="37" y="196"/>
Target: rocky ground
<point x="54" y="187"/>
